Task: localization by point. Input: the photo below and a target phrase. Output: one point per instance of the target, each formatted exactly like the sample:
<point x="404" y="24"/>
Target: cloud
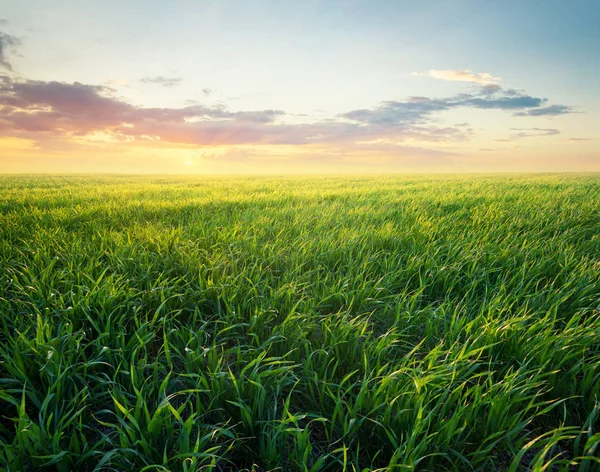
<point x="551" y="110"/>
<point x="7" y="42"/>
<point x="48" y="111"/>
<point x="488" y="86"/>
<point x="489" y="89"/>
<point x="207" y="92"/>
<point x="533" y="132"/>
<point x="498" y="149"/>
<point x="382" y="152"/>
<point x="3" y="21"/>
<point x="579" y="139"/>
<point x="411" y="110"/>
<point x="418" y="110"/>
<point x="168" y="82"/>
<point x="461" y="76"/>
<point x="502" y="103"/>
<point x="42" y="110"/>
<point x="262" y="116"/>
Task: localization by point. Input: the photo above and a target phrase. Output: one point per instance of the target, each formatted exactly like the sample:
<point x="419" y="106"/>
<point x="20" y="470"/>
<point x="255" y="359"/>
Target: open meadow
<point x="357" y="323"/>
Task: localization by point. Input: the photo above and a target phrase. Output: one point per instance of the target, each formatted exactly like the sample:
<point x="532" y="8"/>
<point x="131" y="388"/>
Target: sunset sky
<point x="307" y="86"/>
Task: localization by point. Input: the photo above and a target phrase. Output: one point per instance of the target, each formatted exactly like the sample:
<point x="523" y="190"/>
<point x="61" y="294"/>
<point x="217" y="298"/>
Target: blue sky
<point x="314" y="62"/>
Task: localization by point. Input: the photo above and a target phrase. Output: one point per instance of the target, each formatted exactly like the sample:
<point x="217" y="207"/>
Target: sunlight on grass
<point x="357" y="323"/>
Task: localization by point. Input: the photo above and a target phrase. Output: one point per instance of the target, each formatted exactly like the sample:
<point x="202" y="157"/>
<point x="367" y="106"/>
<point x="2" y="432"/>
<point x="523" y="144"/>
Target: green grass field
<point x="445" y="323"/>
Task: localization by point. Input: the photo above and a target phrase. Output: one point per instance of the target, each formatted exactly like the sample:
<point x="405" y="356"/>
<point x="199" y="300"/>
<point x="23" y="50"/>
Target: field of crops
<point x="300" y="323"/>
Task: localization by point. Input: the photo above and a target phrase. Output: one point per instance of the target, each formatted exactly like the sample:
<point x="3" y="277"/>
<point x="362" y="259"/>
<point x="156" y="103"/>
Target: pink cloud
<point x="48" y="111"/>
<point x="462" y="76"/>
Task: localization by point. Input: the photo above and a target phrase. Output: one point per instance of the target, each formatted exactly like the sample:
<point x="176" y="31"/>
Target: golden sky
<point x="298" y="87"/>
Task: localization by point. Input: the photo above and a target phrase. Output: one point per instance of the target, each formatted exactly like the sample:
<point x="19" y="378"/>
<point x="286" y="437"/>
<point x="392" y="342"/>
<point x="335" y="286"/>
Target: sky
<point x="288" y="86"/>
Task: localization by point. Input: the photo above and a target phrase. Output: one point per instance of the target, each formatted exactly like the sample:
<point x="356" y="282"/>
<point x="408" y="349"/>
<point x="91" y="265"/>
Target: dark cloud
<point x="412" y="110"/>
<point x="420" y="109"/>
<point x="7" y="42"/>
<point x="551" y="110"/>
<point x="207" y="92"/>
<point x="163" y="81"/>
<point x="489" y="89"/>
<point x="502" y="103"/>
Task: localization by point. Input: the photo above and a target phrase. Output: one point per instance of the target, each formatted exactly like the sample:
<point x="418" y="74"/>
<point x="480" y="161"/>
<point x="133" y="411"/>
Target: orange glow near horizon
<point x="80" y="93"/>
<point x="96" y="156"/>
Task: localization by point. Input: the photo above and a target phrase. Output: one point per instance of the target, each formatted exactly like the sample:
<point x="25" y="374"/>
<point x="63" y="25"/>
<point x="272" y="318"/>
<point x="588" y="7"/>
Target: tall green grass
<point x="303" y="324"/>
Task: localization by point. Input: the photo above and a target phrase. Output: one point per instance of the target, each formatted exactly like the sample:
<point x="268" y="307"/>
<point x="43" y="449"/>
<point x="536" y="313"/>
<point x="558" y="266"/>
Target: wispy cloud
<point x="168" y="82"/>
<point x="420" y="109"/>
<point x="551" y="110"/>
<point x="579" y="139"/>
<point x="116" y="83"/>
<point x="461" y="76"/>
<point x="533" y="132"/>
<point x="7" y="42"/>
